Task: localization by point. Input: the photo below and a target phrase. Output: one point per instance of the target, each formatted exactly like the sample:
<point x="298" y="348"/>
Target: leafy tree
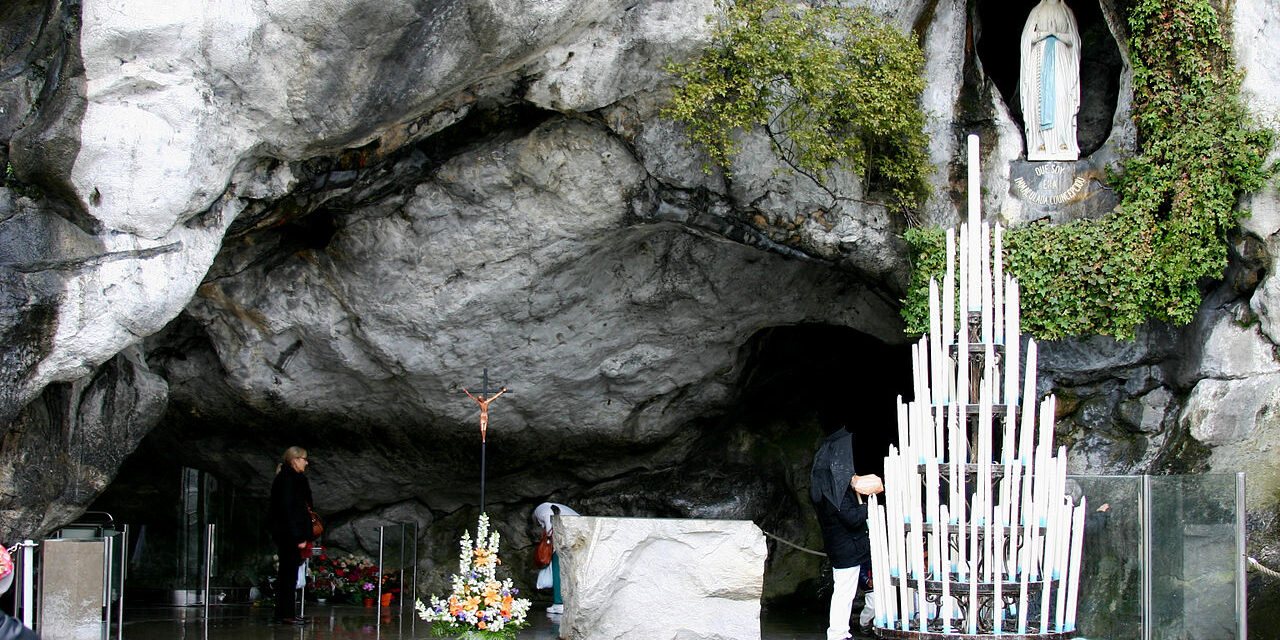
<point x="830" y="86"/>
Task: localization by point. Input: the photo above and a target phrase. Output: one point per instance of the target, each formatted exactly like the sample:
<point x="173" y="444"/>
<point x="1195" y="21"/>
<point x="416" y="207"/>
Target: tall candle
<point x="984" y="244"/>
<point x="1064" y="553"/>
<point x="1014" y="479"/>
<point x="1026" y="570"/>
<point x="975" y="212"/>
<point x="945" y="550"/>
<point x="962" y="334"/>
<point x="903" y="440"/>
<point x="1073" y="578"/>
<point x="997" y="279"/>
<point x="931" y="482"/>
<point x="1052" y="533"/>
<point x="948" y="292"/>
<point x="958" y="514"/>
<point x="1028" y="423"/>
<point x="971" y="616"/>
<point x="936" y="385"/>
<point x="997" y="603"/>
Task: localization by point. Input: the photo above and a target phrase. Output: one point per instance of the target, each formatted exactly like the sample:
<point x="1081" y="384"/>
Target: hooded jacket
<point x="842" y="518"/>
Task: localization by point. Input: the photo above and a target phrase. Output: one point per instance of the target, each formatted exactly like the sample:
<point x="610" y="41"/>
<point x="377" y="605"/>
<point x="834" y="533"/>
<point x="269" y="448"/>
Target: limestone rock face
<point x="633" y="578"/>
<point x="242" y="225"/>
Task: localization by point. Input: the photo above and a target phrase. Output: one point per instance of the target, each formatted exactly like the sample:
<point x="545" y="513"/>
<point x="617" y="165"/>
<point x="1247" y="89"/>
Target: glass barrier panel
<point x="1110" y="605"/>
<point x="1193" y="557"/>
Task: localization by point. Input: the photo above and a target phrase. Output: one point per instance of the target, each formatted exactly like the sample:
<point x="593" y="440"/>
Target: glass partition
<point x="1193" y="557"/>
<point x="1111" y="576"/>
<point x="1163" y="561"/>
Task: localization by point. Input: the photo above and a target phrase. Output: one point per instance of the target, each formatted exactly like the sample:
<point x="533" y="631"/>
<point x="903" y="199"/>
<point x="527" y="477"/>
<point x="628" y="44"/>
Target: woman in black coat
<point x="836" y="494"/>
<point x="289" y="521"/>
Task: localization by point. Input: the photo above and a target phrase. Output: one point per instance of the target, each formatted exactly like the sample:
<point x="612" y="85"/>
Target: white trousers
<point x="846" y="589"/>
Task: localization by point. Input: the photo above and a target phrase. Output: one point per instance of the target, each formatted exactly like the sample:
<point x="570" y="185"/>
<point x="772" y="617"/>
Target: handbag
<point x="542" y="555"/>
<point x="317" y="527"/>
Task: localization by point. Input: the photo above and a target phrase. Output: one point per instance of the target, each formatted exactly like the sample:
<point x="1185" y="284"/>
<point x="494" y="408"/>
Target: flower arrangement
<point x="349" y="578"/>
<point x="480" y="605"/>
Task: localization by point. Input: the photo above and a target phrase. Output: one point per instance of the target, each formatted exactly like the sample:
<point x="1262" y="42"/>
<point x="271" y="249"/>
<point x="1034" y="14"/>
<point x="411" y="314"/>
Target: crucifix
<point x="483" y="401"/>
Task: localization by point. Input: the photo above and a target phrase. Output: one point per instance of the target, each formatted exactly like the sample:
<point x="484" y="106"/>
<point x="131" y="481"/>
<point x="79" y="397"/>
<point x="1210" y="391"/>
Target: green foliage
<point x="829" y="86"/>
<point x="1146" y="260"/>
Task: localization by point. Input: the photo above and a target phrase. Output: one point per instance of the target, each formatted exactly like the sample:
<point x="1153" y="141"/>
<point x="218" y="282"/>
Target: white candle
<point x="1028" y="423"/>
<point x="1073" y="577"/>
<point x="958" y="514"/>
<point x="984" y="244"/>
<point x="879" y="553"/>
<point x="1014" y="480"/>
<point x="997" y="602"/>
<point x="971" y="615"/>
<point x="955" y="433"/>
<point x="945" y="550"/>
<point x="948" y="292"/>
<point x="962" y="334"/>
<point x="936" y="385"/>
<point x="1052" y="533"/>
<point x="931" y="483"/>
<point x="1026" y="569"/>
<point x="903" y="441"/>
<point x="975" y="215"/>
<point x="1065" y="520"/>
<point x="997" y="279"/>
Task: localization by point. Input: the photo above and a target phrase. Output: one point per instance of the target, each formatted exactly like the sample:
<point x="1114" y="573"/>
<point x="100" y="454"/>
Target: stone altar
<point x="660" y="579"/>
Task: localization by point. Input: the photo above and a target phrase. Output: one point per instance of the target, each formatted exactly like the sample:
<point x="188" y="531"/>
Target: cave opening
<point x="795" y="384"/>
<point x="816" y="378"/>
<point x="997" y="37"/>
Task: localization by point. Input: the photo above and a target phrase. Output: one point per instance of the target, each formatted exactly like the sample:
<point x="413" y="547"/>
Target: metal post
<point x="1242" y="618"/>
<point x="382" y="569"/>
<point x="208" y="566"/>
<point x="27" y="601"/>
<point x="1146" y="556"/>
<point x="124" y="564"/>
<point x="107" y="546"/>
<point x="302" y="596"/>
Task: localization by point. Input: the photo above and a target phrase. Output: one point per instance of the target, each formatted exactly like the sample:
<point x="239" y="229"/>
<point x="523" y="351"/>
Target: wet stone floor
<point x="349" y="622"/>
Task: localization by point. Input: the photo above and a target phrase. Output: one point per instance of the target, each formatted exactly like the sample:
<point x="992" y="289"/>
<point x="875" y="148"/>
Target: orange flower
<point x="480" y="625"/>
<point x="491" y="594"/>
<point x="454" y="607"/>
<point x="472" y="603"/>
<point x="483" y="558"/>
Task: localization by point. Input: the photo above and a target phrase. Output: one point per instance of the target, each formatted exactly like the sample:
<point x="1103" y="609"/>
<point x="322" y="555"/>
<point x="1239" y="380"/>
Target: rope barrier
<point x="794" y="545"/>
<point x="1253" y="562"/>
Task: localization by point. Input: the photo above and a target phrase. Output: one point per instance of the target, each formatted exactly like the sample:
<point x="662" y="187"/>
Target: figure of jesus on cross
<point x="480" y="399"/>
<point x="484" y="409"/>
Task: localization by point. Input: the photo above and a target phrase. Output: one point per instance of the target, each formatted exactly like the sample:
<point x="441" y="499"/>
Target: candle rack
<point x="976" y="536"/>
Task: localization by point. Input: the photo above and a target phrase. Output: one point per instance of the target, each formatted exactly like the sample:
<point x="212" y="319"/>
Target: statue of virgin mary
<point x="1050" y="81"/>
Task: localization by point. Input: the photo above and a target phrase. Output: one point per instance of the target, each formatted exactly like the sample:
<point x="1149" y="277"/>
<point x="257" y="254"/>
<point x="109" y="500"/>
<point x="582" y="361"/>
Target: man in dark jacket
<point x="836" y="492"/>
<point x="289" y="521"/>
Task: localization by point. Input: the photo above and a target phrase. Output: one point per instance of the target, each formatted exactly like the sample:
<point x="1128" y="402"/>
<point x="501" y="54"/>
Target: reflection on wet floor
<point x="350" y="622"/>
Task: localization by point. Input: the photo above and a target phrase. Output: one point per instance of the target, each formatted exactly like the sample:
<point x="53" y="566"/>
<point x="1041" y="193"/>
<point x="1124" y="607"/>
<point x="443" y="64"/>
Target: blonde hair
<point x="290" y="454"/>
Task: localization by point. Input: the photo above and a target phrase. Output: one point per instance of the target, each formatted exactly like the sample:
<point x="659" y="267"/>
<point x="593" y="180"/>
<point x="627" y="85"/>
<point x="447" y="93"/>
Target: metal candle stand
<point x="976" y="528"/>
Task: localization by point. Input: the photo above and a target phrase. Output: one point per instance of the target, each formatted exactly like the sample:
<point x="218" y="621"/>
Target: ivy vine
<point x="830" y="86"/>
<point x="1198" y="151"/>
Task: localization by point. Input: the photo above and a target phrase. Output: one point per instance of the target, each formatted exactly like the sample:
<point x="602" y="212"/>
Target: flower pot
<point x="368" y="602"/>
<point x="386" y="599"/>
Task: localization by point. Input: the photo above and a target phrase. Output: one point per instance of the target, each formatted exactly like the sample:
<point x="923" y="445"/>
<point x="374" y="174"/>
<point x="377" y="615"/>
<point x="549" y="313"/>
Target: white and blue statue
<point x="1050" y="81"/>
